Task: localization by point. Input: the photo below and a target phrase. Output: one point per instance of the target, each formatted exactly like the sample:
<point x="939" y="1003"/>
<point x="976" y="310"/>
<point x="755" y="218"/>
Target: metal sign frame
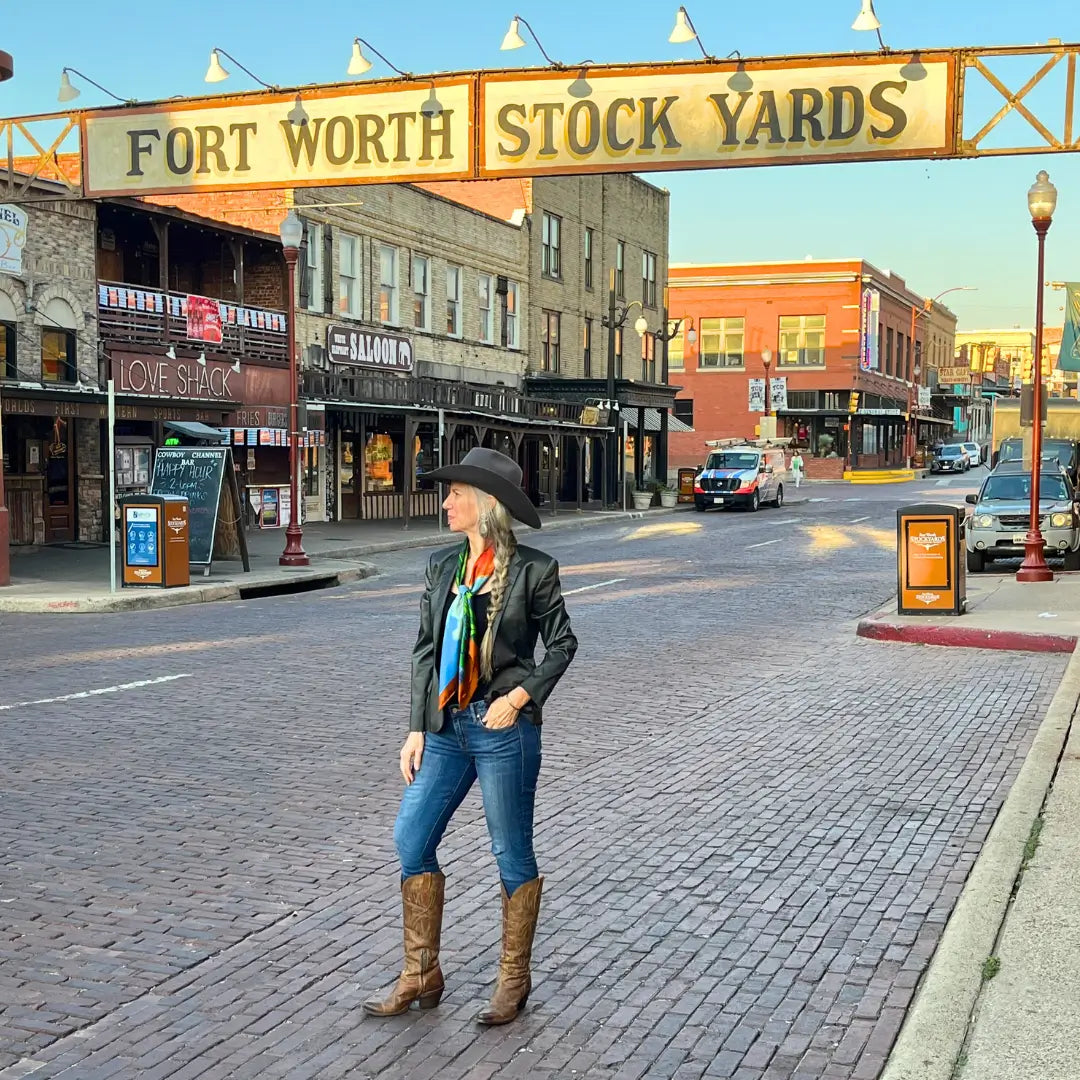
<point x="52" y="157"/>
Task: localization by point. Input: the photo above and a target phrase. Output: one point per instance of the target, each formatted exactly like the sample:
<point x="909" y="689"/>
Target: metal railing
<point x="423" y="392"/>
<point x="130" y="314"/>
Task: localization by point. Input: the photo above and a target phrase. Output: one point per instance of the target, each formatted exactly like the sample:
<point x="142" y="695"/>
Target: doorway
<point x="59" y="501"/>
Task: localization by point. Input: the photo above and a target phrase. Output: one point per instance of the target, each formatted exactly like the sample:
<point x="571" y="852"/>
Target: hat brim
<point x="515" y="500"/>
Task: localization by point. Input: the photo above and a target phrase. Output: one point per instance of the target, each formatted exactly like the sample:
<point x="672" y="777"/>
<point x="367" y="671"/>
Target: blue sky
<point x="938" y="224"/>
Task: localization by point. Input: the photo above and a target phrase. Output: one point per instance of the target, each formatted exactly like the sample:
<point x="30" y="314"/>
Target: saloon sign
<point x="594" y="119"/>
<point x="368" y="348"/>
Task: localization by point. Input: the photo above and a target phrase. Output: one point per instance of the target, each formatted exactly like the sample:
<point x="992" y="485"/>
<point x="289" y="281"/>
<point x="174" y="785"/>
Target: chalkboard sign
<point x="202" y="475"/>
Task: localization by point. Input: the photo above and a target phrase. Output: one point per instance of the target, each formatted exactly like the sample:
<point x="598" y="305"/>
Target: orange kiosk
<point x="156" y="541"/>
<point x="930" y="560"/>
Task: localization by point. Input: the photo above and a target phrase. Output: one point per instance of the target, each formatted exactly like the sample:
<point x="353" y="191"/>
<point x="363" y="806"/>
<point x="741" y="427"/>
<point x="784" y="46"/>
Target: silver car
<point x="1002" y="515"/>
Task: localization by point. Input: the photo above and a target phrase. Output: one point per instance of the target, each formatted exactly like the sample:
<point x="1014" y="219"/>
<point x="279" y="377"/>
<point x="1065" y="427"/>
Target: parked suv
<point x="1002" y="515"/>
<point x="741" y="476"/>
<point x="952" y="457"/>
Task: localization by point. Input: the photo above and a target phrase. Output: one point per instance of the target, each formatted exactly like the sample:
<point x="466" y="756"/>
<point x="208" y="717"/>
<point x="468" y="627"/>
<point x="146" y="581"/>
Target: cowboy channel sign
<point x="529" y="123"/>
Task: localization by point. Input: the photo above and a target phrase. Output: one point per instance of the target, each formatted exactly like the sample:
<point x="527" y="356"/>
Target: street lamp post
<point x="614" y="320"/>
<point x="1042" y="199"/>
<point x="7" y="69"/>
<point x="292" y="232"/>
<point x="766" y="360"/>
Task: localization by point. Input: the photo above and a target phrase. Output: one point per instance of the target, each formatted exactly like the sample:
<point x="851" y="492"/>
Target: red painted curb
<point x="965" y="637"/>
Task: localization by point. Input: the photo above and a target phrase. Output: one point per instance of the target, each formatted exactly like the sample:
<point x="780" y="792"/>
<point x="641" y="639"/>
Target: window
<point x="802" y="399"/>
<point x="453" y="301"/>
<point x="57" y="355"/>
<point x="648" y="357"/>
<point x="485" y="287"/>
<point x="721" y="343"/>
<point x="549" y="340"/>
<point x="349" y="276"/>
<point x="618" y="352"/>
<point x="586" y="348"/>
<point x="513" y="329"/>
<point x="901" y="355"/>
<point x="588" y="258"/>
<point x="648" y="279"/>
<point x="388" y="285"/>
<point x="313" y="267"/>
<point x="802" y="341"/>
<point x="620" y="269"/>
<point x="549" y="257"/>
<point x="889" y="351"/>
<point x="675" y="348"/>
<point x="421" y="287"/>
<point x="9" y="366"/>
<point x="684" y="410"/>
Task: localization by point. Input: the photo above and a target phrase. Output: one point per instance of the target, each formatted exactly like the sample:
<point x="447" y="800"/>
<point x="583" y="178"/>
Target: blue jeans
<point x="507" y="764"/>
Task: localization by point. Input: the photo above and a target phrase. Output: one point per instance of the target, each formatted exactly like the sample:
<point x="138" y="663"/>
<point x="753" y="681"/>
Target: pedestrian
<point x="797" y="467"/>
<point x="477" y="699"/>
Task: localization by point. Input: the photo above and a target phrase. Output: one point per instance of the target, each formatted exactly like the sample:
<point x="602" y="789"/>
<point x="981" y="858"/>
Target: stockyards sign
<point x="708" y="117"/>
<point x="356" y="135"/>
<point x="592" y="119"/>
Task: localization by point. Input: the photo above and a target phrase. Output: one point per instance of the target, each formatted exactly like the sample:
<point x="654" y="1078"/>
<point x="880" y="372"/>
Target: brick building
<point x="49" y="371"/>
<point x="841" y="335"/>
<point x="579" y="231"/>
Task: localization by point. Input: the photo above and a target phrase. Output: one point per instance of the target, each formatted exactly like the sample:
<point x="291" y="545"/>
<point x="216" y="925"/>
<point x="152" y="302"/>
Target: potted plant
<point x="669" y="497"/>
<point x="642" y="499"/>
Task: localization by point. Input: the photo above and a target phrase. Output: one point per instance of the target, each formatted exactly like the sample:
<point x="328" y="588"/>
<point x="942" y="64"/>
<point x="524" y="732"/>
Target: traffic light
<point x="853" y="402"/>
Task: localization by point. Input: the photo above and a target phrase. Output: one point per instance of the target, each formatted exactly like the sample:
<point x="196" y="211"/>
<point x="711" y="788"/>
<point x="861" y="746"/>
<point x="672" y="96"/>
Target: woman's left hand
<point x="500" y="714"/>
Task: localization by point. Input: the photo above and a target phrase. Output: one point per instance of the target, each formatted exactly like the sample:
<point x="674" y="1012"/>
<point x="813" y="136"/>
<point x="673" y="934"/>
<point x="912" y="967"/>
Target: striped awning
<point x="652" y="420"/>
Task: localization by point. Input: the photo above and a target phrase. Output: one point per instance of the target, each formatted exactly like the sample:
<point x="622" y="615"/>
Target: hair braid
<point x="495" y="526"/>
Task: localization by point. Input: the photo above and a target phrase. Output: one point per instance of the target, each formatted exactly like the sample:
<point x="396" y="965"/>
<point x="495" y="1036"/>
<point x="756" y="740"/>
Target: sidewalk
<point x="1001" y="614"/>
<point x="1001" y="999"/>
<point x="74" y="578"/>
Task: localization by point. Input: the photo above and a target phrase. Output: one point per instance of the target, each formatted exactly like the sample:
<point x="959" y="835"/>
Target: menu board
<point x="196" y="473"/>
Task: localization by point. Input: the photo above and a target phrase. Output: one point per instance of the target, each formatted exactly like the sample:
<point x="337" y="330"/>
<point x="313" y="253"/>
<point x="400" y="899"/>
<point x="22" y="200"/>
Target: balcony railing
<point x="131" y="315"/>
<point x="377" y="388"/>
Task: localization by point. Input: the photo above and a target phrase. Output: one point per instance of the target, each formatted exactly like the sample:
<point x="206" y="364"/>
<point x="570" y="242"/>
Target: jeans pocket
<point x="480" y="709"/>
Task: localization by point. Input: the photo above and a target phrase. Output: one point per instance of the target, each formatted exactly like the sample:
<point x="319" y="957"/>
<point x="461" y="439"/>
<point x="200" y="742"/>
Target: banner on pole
<point x="1069" y="357"/>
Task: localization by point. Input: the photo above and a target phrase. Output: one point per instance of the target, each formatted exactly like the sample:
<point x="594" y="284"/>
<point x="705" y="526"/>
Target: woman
<point x="477" y="696"/>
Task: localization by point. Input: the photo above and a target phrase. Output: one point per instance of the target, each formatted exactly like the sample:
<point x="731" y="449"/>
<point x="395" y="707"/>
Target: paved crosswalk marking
<point x="119" y="689"/>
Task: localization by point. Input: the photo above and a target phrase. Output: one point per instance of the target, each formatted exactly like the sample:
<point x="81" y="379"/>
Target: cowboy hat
<point x="494" y="473"/>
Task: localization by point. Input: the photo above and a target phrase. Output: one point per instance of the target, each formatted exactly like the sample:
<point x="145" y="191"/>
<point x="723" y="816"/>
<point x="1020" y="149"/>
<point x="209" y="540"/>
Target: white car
<point x="973" y="453"/>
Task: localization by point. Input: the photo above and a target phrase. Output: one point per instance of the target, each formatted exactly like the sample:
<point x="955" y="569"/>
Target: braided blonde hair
<point x="495" y="525"/>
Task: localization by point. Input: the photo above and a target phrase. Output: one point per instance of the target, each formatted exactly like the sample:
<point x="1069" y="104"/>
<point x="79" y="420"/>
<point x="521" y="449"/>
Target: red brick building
<point x="831" y="330"/>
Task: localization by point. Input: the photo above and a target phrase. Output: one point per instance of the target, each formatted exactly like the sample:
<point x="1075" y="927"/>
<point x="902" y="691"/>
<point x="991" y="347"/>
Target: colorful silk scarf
<point x="459" y="664"/>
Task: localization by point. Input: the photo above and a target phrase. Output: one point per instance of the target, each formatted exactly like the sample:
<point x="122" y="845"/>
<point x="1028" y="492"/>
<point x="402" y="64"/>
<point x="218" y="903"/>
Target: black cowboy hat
<point x="494" y="473"/>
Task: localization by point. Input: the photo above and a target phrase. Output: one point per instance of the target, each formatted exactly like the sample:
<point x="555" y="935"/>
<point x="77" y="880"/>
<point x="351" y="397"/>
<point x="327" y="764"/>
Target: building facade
<point x="50" y="377"/>
<point x="843" y="341"/>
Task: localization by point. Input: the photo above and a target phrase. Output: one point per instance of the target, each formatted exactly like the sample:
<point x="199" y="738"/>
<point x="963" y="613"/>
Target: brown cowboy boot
<point x="520" y="913"/>
<point x="422" y="978"/>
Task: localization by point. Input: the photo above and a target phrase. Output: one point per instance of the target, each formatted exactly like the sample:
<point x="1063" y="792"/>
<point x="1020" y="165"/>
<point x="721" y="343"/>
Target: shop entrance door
<point x="59" y="487"/>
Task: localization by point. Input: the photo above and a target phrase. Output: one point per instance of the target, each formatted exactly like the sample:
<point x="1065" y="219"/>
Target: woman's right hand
<point x="411" y="754"/>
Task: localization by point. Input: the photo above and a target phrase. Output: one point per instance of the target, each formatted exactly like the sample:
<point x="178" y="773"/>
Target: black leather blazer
<point x="533" y="608"/>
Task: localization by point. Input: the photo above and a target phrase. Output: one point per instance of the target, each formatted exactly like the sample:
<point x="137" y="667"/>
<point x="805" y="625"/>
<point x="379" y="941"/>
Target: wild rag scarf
<point x="459" y="664"/>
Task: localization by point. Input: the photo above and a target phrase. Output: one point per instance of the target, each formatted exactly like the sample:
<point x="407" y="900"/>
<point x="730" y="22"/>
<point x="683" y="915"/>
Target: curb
<point x="936" y="1026"/>
<point x="146" y="600"/>
<point x="964" y="637"/>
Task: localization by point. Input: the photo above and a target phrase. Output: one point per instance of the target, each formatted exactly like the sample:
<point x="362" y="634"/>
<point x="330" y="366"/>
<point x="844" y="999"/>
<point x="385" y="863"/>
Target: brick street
<point x="753" y="825"/>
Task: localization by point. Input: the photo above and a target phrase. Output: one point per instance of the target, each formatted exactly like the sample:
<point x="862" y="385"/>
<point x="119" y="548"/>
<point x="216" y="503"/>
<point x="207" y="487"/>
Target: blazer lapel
<point x="517" y="563"/>
<point x="443" y="584"/>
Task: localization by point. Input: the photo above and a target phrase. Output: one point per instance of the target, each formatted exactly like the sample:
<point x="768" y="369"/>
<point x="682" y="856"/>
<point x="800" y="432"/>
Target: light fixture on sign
<point x="359" y="64"/>
<point x="432" y="107"/>
<point x="514" y="40"/>
<point x="685" y="30"/>
<point x="740" y="81"/>
<point x="201" y="361"/>
<point x="236" y="366"/>
<point x="67" y="92"/>
<point x="216" y="73"/>
<point x="867" y="20"/>
<point x="170" y="352"/>
<point x="913" y="70"/>
<point x="580" y="87"/>
<point x="296" y="115"/>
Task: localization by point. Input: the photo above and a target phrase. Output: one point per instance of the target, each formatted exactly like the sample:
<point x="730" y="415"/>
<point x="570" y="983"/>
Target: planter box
<point x="642" y="500"/>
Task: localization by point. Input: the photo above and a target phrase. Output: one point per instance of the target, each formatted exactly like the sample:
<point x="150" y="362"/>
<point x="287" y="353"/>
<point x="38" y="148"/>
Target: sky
<point x="937" y="224"/>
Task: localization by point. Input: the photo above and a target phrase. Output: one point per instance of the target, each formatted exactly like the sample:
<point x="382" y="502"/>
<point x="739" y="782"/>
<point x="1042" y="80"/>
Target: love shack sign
<point x="704" y="117"/>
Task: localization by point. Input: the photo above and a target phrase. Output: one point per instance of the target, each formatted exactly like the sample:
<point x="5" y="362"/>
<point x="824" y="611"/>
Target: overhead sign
<point x="958" y="373"/>
<point x="368" y="348"/>
<point x="353" y="135"/>
<point x="700" y="116"/>
<point x="160" y="376"/>
<point x="12" y="238"/>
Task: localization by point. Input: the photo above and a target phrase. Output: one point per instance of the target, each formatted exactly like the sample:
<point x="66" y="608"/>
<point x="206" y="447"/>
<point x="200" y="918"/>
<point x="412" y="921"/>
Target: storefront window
<point x="379" y="464"/>
<point x="9" y="368"/>
<point x="57" y="355"/>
